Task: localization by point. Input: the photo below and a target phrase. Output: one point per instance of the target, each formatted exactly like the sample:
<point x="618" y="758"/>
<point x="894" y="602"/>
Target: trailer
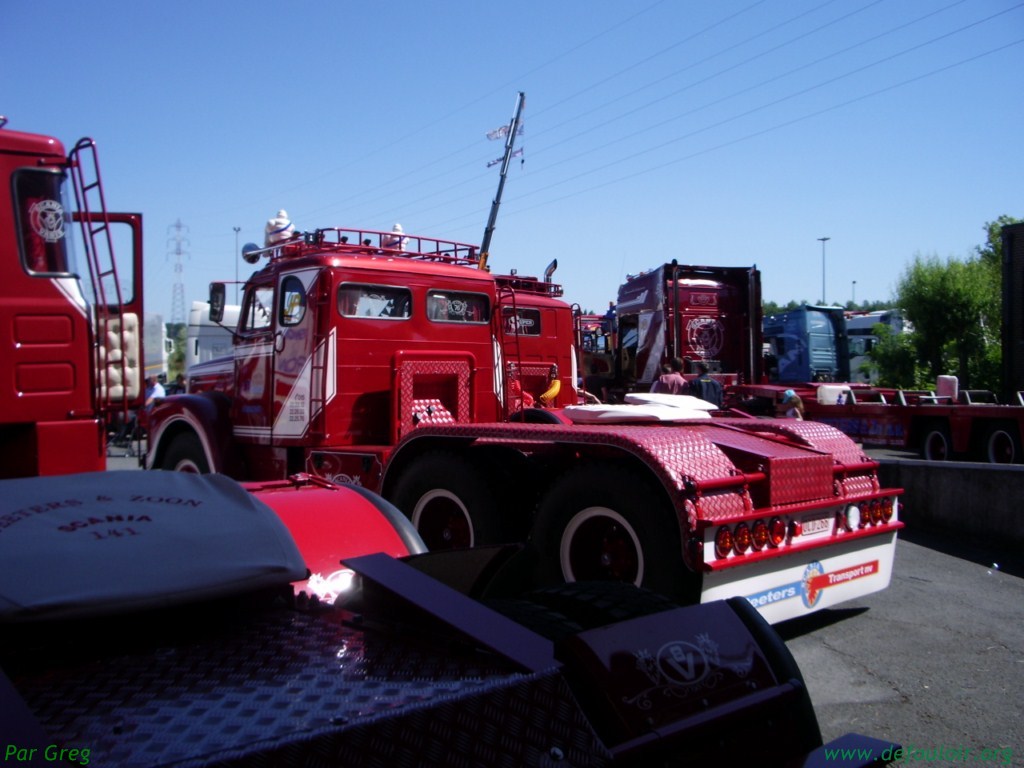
<point x="452" y="391"/>
<point x="820" y="356"/>
<point x="941" y="424"/>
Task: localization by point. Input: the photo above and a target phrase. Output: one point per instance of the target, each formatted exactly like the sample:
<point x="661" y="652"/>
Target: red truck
<point x="398" y="369"/>
<point x="70" y="359"/>
<point x="699" y="314"/>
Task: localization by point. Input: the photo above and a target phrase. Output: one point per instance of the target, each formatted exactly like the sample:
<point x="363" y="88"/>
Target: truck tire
<point x="185" y="454"/>
<point x="1002" y="444"/>
<point x="603" y="522"/>
<point x="448" y="501"/>
<point x="936" y="445"/>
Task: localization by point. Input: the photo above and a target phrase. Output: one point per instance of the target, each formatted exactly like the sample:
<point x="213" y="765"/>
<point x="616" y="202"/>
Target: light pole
<point x="237" y="230"/>
<point x="823" y="241"/>
<point x="854" y="299"/>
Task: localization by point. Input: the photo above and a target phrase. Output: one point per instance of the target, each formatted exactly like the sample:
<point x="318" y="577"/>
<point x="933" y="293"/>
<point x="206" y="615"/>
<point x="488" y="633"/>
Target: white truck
<point x="206" y="339"/>
<point x="158" y="347"/>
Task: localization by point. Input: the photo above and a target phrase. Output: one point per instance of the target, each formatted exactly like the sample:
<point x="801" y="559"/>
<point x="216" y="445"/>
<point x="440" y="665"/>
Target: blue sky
<point x="734" y="132"/>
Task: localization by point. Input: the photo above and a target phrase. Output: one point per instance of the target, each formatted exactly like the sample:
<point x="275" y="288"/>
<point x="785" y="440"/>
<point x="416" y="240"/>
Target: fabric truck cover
<point x="107" y="542"/>
<point x="642" y="407"/>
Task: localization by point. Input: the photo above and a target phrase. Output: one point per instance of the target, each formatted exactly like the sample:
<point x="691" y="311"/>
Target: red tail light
<point x="741" y="539"/>
<point x="723" y="541"/>
<point x="876" y="512"/>
<point x="887" y="510"/>
<point x="759" y="536"/>
<point x="776" y="531"/>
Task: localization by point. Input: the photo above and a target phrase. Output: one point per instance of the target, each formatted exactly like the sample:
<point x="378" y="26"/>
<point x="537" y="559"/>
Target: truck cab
<point x="344" y="343"/>
<point x="72" y="313"/>
<point x="700" y="314"/>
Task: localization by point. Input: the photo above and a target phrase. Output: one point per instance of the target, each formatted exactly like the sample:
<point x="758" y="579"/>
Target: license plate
<point x="814" y="525"/>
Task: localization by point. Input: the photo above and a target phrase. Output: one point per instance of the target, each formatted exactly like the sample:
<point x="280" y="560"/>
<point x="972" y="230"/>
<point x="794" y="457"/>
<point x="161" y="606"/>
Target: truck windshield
<point x="43" y="221"/>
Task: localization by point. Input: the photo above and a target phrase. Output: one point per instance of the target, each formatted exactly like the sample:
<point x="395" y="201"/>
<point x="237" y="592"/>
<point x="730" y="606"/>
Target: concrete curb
<point x="982" y="502"/>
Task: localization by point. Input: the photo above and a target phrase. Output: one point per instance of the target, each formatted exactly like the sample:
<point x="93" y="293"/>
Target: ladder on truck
<point x="512" y="364"/>
<point x="110" y="345"/>
<point x="319" y="383"/>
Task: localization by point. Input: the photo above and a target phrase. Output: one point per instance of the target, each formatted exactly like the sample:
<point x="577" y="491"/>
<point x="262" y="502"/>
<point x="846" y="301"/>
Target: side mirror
<point x="218" y="294"/>
<point x="251" y="253"/>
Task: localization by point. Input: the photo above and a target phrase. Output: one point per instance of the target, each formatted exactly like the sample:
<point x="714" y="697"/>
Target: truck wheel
<point x="601" y="522"/>
<point x="1002" y="444"/>
<point x="936" y="445"/>
<point x="447" y="499"/>
<point x="185" y="454"/>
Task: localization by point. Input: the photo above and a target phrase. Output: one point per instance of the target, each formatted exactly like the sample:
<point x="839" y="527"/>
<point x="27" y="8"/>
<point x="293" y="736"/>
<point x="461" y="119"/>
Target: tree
<point x="946" y="302"/>
<point x="895" y="358"/>
<point x="956" y="310"/>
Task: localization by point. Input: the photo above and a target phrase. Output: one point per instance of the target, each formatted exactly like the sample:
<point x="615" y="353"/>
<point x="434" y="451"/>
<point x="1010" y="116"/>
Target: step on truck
<point x="396" y="366"/>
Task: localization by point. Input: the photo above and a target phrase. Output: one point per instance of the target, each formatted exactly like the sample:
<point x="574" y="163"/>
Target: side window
<point x="43" y="221"/>
<point x="293" y="301"/>
<point x="259" y="305"/>
<point x="526" y="322"/>
<point x="457" y="307"/>
<point x="374" y="301"/>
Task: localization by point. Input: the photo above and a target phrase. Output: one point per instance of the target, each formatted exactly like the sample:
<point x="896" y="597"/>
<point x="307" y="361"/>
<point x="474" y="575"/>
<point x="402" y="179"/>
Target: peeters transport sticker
<point x="815" y="580"/>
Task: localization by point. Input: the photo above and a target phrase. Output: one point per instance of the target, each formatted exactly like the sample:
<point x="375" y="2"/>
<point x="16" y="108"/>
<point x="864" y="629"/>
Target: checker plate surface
<point x="293" y="688"/>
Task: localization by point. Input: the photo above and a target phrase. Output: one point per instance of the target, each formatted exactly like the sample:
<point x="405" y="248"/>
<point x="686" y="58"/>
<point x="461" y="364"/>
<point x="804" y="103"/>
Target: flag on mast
<point x="517" y="153"/>
<point x="501" y="133"/>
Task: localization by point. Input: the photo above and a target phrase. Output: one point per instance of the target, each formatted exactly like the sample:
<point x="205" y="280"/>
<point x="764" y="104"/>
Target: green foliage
<point x="177" y="332"/>
<point x="956" y="309"/>
<point x="896" y="360"/>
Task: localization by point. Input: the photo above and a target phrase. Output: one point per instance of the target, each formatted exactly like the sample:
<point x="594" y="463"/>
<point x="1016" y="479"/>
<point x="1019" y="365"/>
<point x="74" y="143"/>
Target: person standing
<point x="672" y="381"/>
<point x="791" y="406"/>
<point x="705" y="387"/>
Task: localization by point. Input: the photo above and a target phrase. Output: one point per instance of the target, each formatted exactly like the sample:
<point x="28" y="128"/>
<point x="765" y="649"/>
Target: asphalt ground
<point x="936" y="661"/>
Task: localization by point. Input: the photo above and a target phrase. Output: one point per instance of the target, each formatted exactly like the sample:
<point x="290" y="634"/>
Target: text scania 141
<point x="411" y="371"/>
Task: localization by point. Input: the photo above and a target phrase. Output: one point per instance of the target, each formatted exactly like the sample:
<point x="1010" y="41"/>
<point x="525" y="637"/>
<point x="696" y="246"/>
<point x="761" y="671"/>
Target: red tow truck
<point x="397" y="369"/>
